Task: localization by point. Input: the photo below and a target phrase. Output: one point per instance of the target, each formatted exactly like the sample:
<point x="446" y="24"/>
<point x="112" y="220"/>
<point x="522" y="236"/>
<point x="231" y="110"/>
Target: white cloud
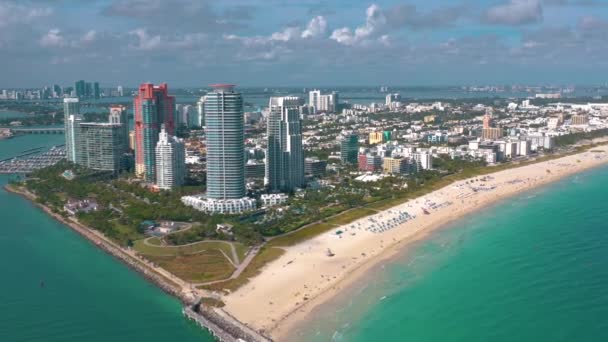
<point x="12" y="13"/>
<point x="316" y="27"/>
<point x="375" y="24"/>
<point x="515" y="12"/>
<point x="89" y="36"/>
<point x="145" y="42"/>
<point x="53" y="38"/>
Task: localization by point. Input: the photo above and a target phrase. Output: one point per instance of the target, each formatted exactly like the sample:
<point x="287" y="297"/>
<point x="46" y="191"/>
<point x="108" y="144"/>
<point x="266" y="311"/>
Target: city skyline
<point x="304" y="43"/>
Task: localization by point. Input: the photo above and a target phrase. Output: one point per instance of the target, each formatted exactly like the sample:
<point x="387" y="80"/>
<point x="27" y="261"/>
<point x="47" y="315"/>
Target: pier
<point x="50" y="130"/>
<point x="30" y="161"/>
<point x="222" y="326"/>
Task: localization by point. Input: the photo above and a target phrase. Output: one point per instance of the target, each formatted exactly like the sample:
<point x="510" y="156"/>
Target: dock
<point x="222" y="326"/>
<point x="31" y="161"/>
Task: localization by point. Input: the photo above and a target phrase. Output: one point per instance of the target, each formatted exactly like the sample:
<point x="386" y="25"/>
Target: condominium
<point x="285" y="156"/>
<point x="170" y="161"/>
<point x="376" y="137"/>
<point x="225" y="143"/>
<point x="153" y="107"/>
<point x="71" y="114"/>
<point x="101" y="146"/>
<point x="323" y="103"/>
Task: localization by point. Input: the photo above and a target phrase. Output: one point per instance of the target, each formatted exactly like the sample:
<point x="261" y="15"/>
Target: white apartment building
<point x="170" y="161"/>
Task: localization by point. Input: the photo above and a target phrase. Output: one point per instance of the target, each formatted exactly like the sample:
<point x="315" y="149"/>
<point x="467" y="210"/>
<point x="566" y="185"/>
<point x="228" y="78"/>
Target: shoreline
<point x="284" y="322"/>
<point x="147" y="272"/>
<point x="220" y="324"/>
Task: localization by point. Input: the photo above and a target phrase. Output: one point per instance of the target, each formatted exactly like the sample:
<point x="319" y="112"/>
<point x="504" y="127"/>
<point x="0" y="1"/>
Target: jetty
<point x="49" y="130"/>
<point x="222" y="325"/>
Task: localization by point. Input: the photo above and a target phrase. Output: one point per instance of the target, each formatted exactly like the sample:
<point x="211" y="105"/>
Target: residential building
<point x="424" y="158"/>
<point x="284" y="156"/>
<point x="153" y="107"/>
<point x="225" y="143"/>
<point x="71" y="114"/>
<point x="491" y="133"/>
<point x="579" y="119"/>
<point x="170" y="161"/>
<point x="269" y="200"/>
<point x="397" y="165"/>
<point x="349" y="148"/>
<point x="370" y="162"/>
<point x="375" y="138"/>
<point x="101" y="146"/>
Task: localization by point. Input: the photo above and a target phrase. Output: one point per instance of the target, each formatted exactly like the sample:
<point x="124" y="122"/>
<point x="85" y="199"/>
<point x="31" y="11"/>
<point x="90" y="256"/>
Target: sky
<point x="304" y="42"/>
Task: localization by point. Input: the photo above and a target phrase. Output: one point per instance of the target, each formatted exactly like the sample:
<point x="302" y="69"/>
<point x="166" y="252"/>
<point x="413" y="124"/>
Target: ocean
<point x="56" y="286"/>
<point x="529" y="268"/>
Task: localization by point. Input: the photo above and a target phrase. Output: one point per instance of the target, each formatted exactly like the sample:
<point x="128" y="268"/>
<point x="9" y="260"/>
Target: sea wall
<point x="137" y="265"/>
<point x="222" y="326"/>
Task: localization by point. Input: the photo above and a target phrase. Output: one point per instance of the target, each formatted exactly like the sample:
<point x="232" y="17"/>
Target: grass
<point x="197" y="268"/>
<point x="194" y="248"/>
<point x="154" y="241"/>
<point x="350" y="216"/>
<point x="305" y="233"/>
<point x="266" y="255"/>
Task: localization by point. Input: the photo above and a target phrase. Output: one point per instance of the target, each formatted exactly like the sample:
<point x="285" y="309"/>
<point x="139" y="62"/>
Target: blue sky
<point x="304" y="42"/>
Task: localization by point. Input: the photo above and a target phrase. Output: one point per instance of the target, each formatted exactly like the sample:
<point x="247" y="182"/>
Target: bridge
<point x="50" y="130"/>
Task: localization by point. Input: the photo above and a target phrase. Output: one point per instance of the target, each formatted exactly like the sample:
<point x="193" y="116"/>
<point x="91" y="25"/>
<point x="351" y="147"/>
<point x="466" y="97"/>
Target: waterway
<point x="56" y="286"/>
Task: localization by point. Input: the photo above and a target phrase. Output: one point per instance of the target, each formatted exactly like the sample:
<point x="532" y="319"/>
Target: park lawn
<point x="197" y="247"/>
<point x="350" y="216"/>
<point x="201" y="267"/>
<point x="301" y="235"/>
<point x="241" y="250"/>
<point x="265" y="256"/>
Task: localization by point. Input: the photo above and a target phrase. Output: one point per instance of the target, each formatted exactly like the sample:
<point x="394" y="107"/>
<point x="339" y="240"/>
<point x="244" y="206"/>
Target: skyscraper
<point x="314" y="99"/>
<point x="170" y="161"/>
<point x="71" y="113"/>
<point x="200" y="106"/>
<point x="225" y="143"/>
<point x="118" y="115"/>
<point x="100" y="146"/>
<point x="285" y="157"/>
<point x="79" y="87"/>
<point x="349" y="148"/>
<point x="153" y="107"/>
<point x="96" y="91"/>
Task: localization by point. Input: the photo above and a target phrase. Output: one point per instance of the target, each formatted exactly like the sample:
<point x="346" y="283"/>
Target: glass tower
<point x="71" y="113"/>
<point x="223" y="108"/>
<point x="153" y="108"/>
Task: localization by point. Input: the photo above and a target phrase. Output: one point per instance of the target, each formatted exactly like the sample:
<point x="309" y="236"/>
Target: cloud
<point x="145" y="41"/>
<point x="316" y="27"/>
<point x="407" y="15"/>
<point x="375" y="25"/>
<point x="515" y="12"/>
<point x="53" y="38"/>
<point x="12" y="13"/>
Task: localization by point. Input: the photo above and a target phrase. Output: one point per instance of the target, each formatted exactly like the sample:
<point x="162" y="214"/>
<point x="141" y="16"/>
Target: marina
<point x="32" y="160"/>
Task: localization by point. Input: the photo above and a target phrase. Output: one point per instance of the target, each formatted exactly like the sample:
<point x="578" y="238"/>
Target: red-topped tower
<point x="153" y="107"/>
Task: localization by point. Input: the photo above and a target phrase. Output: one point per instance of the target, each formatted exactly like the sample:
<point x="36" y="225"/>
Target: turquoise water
<point x="531" y="268"/>
<point x="55" y="286"/>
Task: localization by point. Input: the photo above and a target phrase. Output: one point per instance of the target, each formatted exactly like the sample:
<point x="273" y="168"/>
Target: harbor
<point x="31" y="160"/>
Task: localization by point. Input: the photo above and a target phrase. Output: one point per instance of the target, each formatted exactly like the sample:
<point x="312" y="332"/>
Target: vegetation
<point x="572" y="139"/>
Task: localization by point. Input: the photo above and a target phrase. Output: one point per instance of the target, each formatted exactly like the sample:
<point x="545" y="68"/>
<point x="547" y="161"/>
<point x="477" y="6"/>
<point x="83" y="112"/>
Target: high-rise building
<point x="101" y="146"/>
<point x="119" y="91"/>
<point x="200" y="106"/>
<point x="349" y="149"/>
<point x="57" y="92"/>
<point x="170" y="161"/>
<point x="71" y="114"/>
<point x="225" y="143"/>
<point x="487" y="121"/>
<point x="132" y="140"/>
<point x="285" y="156"/>
<point x="88" y="89"/>
<point x="375" y="138"/>
<point x="153" y="107"/>
<point x="314" y="99"/>
<point x="118" y="115"/>
<point x="96" y="91"/>
<point x="79" y="87"/>
<point x="392" y="98"/>
<point x="314" y="167"/>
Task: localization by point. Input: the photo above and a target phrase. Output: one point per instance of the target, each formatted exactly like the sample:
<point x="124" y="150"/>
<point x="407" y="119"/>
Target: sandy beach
<point x="289" y="288"/>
